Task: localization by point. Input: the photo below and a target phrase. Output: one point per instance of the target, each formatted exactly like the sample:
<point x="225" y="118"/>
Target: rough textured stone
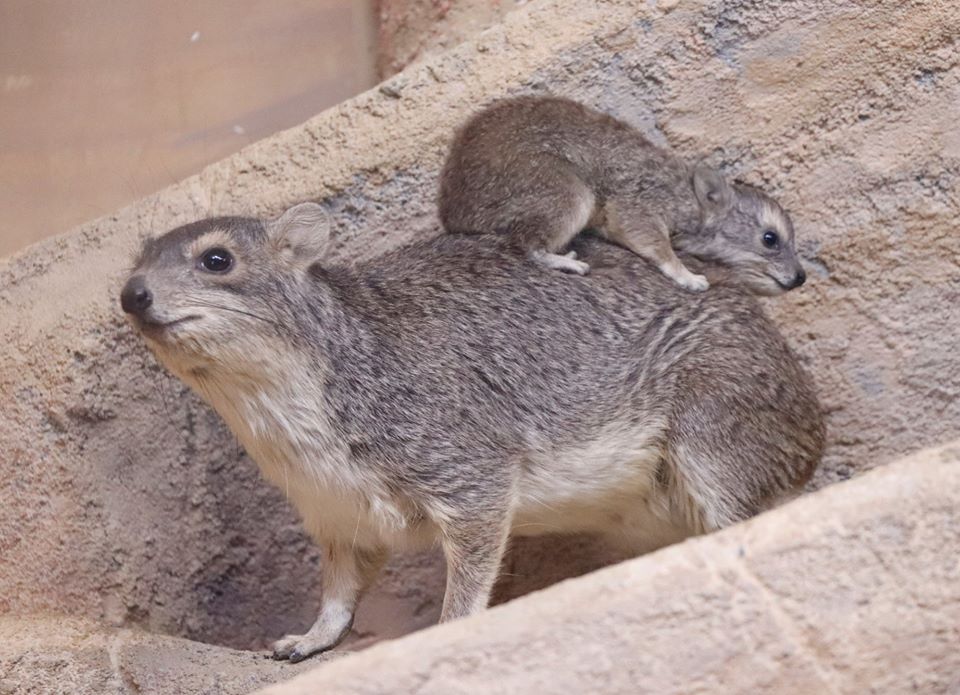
<point x="126" y="500"/>
<point x="76" y="657"/>
<point x="853" y="589"/>
<point x="410" y="30"/>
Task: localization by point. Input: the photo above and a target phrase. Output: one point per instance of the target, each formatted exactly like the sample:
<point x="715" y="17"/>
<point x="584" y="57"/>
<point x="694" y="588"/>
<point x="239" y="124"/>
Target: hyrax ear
<point x="713" y="192"/>
<point x="302" y="232"/>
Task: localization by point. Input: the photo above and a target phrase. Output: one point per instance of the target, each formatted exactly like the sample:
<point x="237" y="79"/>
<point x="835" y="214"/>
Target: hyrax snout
<point x="541" y="169"/>
<point x="455" y="392"/>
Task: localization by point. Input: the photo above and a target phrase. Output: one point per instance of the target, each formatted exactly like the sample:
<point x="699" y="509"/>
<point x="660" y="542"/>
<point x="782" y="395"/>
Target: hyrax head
<point x="208" y="292"/>
<point x="747" y="230"/>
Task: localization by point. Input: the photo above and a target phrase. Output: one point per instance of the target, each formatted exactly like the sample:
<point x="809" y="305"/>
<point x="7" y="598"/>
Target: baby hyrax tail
<point x="542" y="169"/>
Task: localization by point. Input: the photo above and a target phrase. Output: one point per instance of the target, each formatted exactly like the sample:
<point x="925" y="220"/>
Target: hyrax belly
<point x="608" y="485"/>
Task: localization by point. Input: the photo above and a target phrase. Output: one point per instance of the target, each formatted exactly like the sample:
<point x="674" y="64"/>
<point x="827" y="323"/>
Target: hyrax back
<point x="455" y="392"/>
<point x="541" y="169"/>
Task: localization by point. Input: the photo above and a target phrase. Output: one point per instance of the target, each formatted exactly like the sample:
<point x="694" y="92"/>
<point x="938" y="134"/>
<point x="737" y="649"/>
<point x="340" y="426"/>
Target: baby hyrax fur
<point x="541" y="169"/>
<point x="455" y="392"/>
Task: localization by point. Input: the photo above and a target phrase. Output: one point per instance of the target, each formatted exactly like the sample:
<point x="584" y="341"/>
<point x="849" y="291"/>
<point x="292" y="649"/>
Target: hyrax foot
<point x="296" y="648"/>
<point x="683" y="277"/>
<point x="566" y="262"/>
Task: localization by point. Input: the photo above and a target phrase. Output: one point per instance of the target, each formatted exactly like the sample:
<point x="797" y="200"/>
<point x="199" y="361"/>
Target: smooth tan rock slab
<point x="853" y="589"/>
<point x="126" y="501"/>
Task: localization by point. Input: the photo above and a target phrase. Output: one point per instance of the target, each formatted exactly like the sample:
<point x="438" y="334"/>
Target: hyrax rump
<point x="541" y="169"/>
<point x="454" y="391"/>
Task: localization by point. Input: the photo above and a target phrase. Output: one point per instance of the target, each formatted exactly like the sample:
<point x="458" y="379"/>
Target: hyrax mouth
<point x="156" y="329"/>
<point x="793" y="283"/>
<point x="786" y="287"/>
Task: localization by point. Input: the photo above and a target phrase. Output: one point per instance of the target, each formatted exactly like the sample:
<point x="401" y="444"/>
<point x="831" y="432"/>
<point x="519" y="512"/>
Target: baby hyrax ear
<point x="302" y="233"/>
<point x="713" y="192"/>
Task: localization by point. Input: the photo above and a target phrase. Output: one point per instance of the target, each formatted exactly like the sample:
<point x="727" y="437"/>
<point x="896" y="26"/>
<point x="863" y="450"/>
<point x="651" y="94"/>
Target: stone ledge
<point x="855" y="588"/>
<point x="76" y="657"/>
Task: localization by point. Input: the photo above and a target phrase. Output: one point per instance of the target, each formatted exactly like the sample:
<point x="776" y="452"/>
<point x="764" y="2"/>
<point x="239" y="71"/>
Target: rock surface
<point x="76" y="657"/>
<point x="410" y="30"/>
<point x="853" y="589"/>
<point x="125" y="499"/>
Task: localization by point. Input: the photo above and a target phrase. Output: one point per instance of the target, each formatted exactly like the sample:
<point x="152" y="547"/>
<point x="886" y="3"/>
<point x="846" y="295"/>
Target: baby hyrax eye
<point x="216" y="260"/>
<point x="771" y="239"/>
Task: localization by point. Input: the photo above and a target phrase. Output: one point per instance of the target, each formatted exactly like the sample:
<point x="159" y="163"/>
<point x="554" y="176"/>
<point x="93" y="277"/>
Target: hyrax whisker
<point x="159" y="387"/>
<point x="209" y="305"/>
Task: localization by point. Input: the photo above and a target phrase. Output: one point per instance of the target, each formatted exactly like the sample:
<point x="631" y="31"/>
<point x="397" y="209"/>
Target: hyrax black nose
<point x="799" y="278"/>
<point x="136" y="298"/>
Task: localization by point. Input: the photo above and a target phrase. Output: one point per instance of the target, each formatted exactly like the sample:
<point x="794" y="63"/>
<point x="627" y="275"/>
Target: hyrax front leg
<point x="347" y="573"/>
<point x="648" y="236"/>
<point x="473" y="550"/>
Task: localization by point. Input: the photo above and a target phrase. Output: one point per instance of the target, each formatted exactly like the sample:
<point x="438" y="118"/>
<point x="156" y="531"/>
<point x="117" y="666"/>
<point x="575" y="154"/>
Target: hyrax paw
<point x="690" y="281"/>
<point x="294" y="648"/>
<point x="680" y="274"/>
<point x="697" y="283"/>
<point x="571" y="263"/>
<point x="567" y="262"/>
<point x="282" y="648"/>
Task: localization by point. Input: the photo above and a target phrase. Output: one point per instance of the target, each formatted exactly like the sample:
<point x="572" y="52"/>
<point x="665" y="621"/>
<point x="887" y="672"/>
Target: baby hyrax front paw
<point x="567" y="262"/>
<point x="683" y="277"/>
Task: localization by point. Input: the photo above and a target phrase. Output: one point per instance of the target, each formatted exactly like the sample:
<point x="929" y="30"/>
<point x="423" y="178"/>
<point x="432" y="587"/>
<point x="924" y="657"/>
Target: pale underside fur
<point x="603" y="485"/>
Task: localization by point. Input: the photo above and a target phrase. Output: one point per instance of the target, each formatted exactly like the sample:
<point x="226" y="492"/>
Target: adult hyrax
<point x="455" y="392"/>
<point x="541" y="169"/>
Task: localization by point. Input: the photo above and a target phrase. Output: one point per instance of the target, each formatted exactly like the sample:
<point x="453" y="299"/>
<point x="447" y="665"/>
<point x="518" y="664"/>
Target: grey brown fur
<point x="541" y="169"/>
<point x="454" y="391"/>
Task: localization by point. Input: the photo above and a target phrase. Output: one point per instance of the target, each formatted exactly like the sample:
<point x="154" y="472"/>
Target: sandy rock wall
<point x="126" y="500"/>
<point x="409" y="30"/>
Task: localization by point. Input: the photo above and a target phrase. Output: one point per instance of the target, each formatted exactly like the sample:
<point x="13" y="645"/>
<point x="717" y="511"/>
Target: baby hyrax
<point x="455" y="392"/>
<point x="541" y="169"/>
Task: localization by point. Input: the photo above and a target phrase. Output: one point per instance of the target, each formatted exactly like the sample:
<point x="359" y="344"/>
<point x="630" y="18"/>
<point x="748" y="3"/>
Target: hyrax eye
<point x="216" y="260"/>
<point x="771" y="239"/>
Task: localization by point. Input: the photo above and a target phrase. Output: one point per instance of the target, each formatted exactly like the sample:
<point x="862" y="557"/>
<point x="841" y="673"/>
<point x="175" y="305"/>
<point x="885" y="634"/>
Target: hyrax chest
<point x="290" y="436"/>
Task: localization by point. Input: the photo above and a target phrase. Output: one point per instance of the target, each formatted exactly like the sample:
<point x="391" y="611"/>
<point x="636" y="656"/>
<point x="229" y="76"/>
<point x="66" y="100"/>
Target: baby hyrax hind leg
<point x="554" y="215"/>
<point x="557" y="261"/>
<point x="648" y="236"/>
<point x="347" y="573"/>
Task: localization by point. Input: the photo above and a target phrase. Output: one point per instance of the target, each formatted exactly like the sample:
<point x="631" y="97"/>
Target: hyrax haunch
<point x="455" y="392"/>
<point x="541" y="169"/>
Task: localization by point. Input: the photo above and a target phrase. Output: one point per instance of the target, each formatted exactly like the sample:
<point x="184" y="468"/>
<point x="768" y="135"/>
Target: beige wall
<point x="104" y="102"/>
